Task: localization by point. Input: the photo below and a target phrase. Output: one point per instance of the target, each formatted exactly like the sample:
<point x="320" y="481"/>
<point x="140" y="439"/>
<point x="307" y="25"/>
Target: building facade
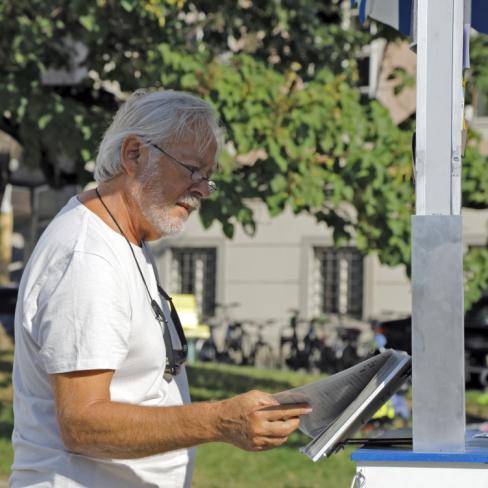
<point x="289" y="264"/>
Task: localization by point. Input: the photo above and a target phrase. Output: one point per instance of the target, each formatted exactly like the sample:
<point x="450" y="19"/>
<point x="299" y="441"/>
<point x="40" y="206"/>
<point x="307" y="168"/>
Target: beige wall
<point x="387" y="291"/>
<point x="475" y="227"/>
<point x="401" y="105"/>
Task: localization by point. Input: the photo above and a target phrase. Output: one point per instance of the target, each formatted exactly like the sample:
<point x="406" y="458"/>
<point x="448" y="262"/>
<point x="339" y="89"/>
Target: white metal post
<point x="434" y="106"/>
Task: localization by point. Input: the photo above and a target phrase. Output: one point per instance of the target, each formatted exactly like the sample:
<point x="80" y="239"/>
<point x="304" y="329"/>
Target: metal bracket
<point x="359" y="476"/>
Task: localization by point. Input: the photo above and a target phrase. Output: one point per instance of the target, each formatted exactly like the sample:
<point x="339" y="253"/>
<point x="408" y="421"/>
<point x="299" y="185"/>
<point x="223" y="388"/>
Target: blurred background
<point x="299" y="265"/>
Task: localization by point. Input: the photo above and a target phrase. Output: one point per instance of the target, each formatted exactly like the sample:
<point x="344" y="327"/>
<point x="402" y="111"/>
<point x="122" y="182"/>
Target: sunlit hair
<point x="161" y="118"/>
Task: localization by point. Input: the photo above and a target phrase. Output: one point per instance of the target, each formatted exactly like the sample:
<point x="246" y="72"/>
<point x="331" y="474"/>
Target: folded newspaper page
<point x="386" y="383"/>
<point x="331" y="396"/>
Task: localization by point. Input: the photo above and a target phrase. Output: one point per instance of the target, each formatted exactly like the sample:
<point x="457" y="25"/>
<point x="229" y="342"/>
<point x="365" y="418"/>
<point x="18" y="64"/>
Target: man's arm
<point x="91" y="423"/>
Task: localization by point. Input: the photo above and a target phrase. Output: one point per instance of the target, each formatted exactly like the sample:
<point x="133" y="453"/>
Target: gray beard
<point x="157" y="215"/>
<point x="147" y="197"/>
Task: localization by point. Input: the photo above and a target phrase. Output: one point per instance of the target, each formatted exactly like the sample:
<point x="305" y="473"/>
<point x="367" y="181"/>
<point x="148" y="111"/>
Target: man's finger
<point x="283" y="429"/>
<point x="263" y="399"/>
<point x="277" y="412"/>
<point x="269" y="443"/>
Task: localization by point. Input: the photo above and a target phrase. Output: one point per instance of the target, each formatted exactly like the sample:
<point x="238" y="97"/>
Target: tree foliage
<point x="283" y="76"/>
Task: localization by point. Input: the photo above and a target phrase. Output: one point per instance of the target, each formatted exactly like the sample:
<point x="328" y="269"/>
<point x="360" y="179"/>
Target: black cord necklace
<point x="128" y="242"/>
<point x="174" y="358"/>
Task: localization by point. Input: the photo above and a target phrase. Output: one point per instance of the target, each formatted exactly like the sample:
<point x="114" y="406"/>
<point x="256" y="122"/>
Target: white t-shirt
<point x="82" y="305"/>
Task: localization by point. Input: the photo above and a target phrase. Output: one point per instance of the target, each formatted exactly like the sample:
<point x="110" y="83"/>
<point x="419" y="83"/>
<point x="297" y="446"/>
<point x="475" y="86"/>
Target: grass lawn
<point x="222" y="465"/>
<point x="6" y="413"/>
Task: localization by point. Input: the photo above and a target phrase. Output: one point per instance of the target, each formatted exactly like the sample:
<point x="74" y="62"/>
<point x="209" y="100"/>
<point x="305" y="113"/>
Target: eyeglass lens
<point x="197" y="176"/>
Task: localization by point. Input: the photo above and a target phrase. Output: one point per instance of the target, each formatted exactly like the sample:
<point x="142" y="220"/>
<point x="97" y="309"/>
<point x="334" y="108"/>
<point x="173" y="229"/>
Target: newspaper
<point x="331" y="396"/>
<point x="386" y="383"/>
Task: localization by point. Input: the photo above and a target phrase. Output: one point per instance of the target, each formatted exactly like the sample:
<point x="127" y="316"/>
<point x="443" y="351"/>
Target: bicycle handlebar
<point x="227" y="306"/>
<point x="293" y="311"/>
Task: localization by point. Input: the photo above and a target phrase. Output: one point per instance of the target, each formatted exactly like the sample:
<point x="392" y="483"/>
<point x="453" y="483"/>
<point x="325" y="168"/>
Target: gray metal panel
<point x="434" y="101"/>
<point x="437" y="334"/>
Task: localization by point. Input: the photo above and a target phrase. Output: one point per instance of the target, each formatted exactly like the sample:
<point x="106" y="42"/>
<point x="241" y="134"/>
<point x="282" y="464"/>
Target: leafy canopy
<point x="283" y="76"/>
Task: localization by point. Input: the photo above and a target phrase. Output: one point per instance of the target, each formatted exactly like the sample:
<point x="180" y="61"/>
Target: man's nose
<point x="201" y="188"/>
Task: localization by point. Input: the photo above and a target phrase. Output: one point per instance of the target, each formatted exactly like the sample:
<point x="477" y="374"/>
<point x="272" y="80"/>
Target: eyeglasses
<point x="196" y="175"/>
<point x="174" y="357"/>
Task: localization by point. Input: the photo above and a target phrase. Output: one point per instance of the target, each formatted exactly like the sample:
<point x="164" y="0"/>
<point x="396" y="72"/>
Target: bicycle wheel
<point x="246" y="348"/>
<point x="284" y="353"/>
<point x="288" y="356"/>
<point x="208" y="351"/>
<point x="315" y="359"/>
<point x="235" y="355"/>
<point x="263" y="358"/>
<point x="349" y="357"/>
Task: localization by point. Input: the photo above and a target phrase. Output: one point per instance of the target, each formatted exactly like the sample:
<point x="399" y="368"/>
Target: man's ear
<point x="133" y="154"/>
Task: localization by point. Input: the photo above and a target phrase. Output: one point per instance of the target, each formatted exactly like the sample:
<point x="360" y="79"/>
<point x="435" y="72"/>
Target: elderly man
<point x="98" y="402"/>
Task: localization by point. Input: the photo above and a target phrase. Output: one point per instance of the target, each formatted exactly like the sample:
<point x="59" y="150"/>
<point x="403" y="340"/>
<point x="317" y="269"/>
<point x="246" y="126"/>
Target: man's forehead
<point x="191" y="151"/>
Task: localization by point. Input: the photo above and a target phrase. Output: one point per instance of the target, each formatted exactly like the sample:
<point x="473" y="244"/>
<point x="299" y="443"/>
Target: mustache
<point x="190" y="200"/>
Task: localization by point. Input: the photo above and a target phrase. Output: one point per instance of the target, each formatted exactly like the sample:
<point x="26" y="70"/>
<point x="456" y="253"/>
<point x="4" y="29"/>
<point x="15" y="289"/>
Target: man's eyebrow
<point x="201" y="162"/>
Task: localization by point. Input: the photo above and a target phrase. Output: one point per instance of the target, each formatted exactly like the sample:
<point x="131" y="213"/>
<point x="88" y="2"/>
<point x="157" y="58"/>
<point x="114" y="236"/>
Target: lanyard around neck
<point x="159" y="314"/>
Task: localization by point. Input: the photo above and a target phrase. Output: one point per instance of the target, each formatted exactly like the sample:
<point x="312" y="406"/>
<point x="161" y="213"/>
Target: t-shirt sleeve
<point x="83" y="316"/>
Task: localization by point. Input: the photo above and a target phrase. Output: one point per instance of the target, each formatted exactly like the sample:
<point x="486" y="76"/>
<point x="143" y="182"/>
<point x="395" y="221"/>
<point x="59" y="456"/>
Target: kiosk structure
<point x="443" y="454"/>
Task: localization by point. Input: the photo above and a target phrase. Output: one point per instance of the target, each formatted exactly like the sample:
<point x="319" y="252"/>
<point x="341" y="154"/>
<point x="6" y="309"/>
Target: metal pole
<point x="434" y="92"/>
<point x="457" y="106"/>
<point x="437" y="286"/>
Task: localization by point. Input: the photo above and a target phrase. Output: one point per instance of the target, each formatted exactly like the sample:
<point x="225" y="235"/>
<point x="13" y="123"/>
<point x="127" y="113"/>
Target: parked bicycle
<point x="306" y="354"/>
<point x="262" y="355"/>
<point x="237" y="345"/>
<point x="343" y="353"/>
<point x="208" y="349"/>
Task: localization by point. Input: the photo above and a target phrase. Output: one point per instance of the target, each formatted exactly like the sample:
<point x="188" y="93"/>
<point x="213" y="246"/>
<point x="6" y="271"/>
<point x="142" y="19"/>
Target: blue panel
<point x="352" y="3"/>
<point x="405" y="16"/>
<point x="472" y="455"/>
<point x="418" y="457"/>
<point x="362" y="10"/>
<point x="479" y="15"/>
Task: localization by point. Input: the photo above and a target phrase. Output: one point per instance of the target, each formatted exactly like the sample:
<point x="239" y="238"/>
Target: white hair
<point x="160" y="118"/>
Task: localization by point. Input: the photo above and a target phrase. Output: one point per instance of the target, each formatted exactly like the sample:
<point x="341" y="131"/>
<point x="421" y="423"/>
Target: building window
<point x="338" y="281"/>
<point x="193" y="272"/>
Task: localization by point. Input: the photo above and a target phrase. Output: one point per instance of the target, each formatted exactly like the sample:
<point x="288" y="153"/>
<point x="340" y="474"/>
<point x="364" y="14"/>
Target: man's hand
<point x="255" y="421"/>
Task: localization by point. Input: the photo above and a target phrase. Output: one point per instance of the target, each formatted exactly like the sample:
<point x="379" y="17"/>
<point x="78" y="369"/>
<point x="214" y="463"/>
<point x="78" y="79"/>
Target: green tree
<point x="475" y="176"/>
<point x="283" y="77"/>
